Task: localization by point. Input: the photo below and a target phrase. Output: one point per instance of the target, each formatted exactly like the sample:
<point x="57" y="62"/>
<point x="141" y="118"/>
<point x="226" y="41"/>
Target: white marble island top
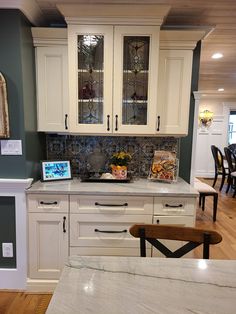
<point x="141" y="187"/>
<point x="135" y="285"/>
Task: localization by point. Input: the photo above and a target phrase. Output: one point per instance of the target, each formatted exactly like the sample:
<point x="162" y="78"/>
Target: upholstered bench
<point x="206" y="190"/>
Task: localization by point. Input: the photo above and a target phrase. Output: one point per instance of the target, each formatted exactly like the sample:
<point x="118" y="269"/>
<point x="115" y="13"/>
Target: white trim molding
<point x="15" y="278"/>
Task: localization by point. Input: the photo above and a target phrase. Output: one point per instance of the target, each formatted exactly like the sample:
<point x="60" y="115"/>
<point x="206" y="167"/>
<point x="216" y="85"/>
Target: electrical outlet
<point x="7" y="249"/>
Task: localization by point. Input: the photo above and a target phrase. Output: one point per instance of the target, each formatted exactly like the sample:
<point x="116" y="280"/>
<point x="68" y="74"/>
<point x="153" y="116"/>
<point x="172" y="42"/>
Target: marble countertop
<point x="122" y="285"/>
<point x="141" y="187"/>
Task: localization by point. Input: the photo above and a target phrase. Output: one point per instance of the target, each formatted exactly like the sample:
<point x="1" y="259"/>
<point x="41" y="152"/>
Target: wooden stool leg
<point x="200" y="200"/>
<point x="215" y="202"/>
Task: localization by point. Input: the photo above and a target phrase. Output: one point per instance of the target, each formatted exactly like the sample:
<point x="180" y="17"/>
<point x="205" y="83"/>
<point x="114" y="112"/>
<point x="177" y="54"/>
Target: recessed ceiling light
<point x="217" y="55"/>
<point x="221" y="89"/>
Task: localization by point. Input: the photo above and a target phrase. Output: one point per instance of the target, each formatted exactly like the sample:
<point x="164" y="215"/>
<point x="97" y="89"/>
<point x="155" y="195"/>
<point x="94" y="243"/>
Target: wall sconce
<point x="205" y="118"/>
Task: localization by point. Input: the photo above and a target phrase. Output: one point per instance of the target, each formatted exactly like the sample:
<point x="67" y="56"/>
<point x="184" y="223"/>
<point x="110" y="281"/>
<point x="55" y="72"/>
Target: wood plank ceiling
<point x="218" y="14"/>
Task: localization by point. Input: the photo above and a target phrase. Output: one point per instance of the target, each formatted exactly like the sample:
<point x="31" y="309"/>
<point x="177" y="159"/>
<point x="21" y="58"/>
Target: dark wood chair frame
<point x="219" y="166"/>
<point x="231" y="159"/>
<point x="202" y="196"/>
<point x="194" y="236"/>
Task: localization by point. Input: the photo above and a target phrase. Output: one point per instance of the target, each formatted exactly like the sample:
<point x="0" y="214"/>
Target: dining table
<point x="140" y="285"/>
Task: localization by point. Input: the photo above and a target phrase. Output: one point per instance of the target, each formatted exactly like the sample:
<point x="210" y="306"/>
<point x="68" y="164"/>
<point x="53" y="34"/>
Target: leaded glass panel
<point x="135" y="80"/>
<point x="90" y="79"/>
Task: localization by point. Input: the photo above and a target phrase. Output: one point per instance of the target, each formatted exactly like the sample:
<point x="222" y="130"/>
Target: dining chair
<point x="195" y="237"/>
<point x="232" y="147"/>
<point x="220" y="167"/>
<point x="231" y="159"/>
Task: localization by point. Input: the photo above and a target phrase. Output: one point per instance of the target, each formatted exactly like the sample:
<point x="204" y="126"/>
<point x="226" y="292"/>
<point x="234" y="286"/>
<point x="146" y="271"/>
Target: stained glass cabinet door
<point x="90" y="70"/>
<point x="135" y="79"/>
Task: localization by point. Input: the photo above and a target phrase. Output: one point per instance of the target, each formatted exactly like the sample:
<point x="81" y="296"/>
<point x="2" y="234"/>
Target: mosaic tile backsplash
<point x="79" y="149"/>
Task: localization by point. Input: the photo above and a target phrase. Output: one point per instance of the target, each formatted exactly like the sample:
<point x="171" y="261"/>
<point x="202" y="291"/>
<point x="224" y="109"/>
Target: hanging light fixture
<point x="205" y="118"/>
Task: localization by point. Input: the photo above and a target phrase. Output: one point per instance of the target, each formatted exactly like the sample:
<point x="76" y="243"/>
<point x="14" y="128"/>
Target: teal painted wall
<point x="18" y="67"/>
<point x="186" y="142"/>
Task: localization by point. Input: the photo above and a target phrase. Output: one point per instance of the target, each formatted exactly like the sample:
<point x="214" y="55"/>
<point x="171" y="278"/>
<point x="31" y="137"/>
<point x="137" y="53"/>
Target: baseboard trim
<point x="40" y="286"/>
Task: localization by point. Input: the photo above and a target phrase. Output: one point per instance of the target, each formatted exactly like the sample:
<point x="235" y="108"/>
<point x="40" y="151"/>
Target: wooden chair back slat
<point x="170" y="232"/>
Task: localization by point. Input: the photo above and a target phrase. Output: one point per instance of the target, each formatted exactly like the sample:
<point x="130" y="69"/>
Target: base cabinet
<point x="48" y="244"/>
<point x="62" y="225"/>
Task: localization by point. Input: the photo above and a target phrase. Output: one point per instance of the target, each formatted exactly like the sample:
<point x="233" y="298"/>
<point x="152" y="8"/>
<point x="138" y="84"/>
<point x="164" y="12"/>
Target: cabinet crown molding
<point x="45" y="36"/>
<point x="114" y="13"/>
<point x="180" y="39"/>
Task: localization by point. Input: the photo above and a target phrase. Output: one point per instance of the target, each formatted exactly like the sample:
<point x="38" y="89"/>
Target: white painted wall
<point x="216" y="134"/>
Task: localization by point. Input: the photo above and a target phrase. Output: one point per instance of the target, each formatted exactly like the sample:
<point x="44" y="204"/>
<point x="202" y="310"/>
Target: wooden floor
<point x="28" y="303"/>
<point x="23" y="303"/>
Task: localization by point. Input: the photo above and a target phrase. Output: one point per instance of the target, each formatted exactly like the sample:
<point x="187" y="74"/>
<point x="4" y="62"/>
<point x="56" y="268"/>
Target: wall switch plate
<point x="7" y="249"/>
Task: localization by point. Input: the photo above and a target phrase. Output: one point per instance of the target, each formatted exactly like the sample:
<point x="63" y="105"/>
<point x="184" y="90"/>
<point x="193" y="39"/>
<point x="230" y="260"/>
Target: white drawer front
<point x="104" y="231"/>
<point x="111" y="204"/>
<point x="185" y="221"/>
<point x="102" y="251"/>
<point x="174" y="206"/>
<point x="46" y="203"/>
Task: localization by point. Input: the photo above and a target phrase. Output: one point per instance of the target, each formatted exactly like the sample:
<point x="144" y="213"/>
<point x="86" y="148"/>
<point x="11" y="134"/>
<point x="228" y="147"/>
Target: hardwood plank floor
<point x="225" y="223"/>
<point x="23" y="303"/>
<point x="29" y="303"/>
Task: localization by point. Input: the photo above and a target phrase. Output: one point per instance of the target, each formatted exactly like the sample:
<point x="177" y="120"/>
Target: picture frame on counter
<point x="55" y="170"/>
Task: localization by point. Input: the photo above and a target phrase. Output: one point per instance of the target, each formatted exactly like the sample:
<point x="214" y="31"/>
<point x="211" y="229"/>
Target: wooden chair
<point x="194" y="236"/>
<point x="220" y="167"/>
<point x="231" y="159"/>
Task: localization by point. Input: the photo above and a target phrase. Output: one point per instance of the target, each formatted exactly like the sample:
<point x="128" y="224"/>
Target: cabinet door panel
<point x="174" y="85"/>
<point x="135" y="79"/>
<point x="48" y="245"/>
<point x="52" y="88"/>
<point x="187" y="221"/>
<point x="90" y="74"/>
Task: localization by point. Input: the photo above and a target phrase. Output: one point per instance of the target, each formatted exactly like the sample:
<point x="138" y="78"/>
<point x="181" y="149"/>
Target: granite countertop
<point x="122" y="285"/>
<point x="141" y="187"/>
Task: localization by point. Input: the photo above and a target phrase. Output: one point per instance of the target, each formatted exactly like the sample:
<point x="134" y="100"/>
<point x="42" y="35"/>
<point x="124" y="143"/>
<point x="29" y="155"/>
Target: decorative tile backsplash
<point x="78" y="150"/>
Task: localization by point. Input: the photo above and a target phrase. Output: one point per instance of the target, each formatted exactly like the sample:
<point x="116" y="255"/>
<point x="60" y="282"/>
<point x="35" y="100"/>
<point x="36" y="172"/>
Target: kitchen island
<point x="118" y="285"/>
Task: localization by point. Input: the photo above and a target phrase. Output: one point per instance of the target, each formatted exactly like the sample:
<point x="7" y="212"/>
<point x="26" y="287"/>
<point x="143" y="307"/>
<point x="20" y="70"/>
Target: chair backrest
<point x="218" y="158"/>
<point x="195" y="237"/>
<point x="231" y="159"/>
<point x="232" y="147"/>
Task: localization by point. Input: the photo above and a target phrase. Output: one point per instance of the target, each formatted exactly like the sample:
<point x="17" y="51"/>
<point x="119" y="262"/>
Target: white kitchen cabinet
<point x="174" y="87"/>
<point x="48" y="235"/>
<point x="52" y="88"/>
<point x="178" y="211"/>
<point x="99" y="225"/>
<point x="113" y="78"/>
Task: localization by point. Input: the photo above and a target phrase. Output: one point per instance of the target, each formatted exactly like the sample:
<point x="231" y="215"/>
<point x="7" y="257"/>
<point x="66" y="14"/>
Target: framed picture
<point x="55" y="170"/>
<point x="4" y="119"/>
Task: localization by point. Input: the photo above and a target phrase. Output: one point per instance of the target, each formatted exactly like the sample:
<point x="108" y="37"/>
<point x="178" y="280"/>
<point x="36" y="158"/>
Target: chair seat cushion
<point x="203" y="188"/>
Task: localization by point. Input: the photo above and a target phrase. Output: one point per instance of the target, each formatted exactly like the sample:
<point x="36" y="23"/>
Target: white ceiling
<point x="220" y="15"/>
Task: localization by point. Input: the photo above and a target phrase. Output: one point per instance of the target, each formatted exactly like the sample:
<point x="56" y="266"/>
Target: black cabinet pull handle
<point x="158" y="221"/>
<point x="116" y="126"/>
<point x="108" y="122"/>
<point x="174" y="206"/>
<point x="64" y="224"/>
<point x="48" y="203"/>
<point x="110" y="231"/>
<point x="158" y="123"/>
<point x="111" y="205"/>
<point x="66" y="126"/>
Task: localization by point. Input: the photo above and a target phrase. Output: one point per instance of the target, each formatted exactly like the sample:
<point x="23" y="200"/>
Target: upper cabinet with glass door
<point x="90" y="72"/>
<point x="135" y="79"/>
